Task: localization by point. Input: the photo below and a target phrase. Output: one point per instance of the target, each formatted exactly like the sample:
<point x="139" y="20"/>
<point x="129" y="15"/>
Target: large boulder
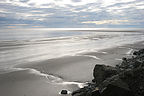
<point x="128" y="82"/>
<point x="135" y="80"/>
<point x="112" y="90"/>
<point x="126" y="79"/>
<point x="114" y="80"/>
<point x="102" y="72"/>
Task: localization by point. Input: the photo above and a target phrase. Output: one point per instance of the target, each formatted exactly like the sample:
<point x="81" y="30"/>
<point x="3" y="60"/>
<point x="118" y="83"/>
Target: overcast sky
<point x="71" y="13"/>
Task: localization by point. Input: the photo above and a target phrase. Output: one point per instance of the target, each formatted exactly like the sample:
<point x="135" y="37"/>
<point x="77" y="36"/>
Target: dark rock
<point x="140" y="52"/>
<point x="112" y="90"/>
<point x="136" y="64"/>
<point x="101" y="72"/>
<point x="95" y="93"/>
<point x="93" y="80"/>
<point x="133" y="62"/>
<point x="135" y="53"/>
<point x="64" y="92"/>
<point x="80" y="92"/>
<point x="114" y="80"/>
<point x="126" y="79"/>
<point x="135" y="80"/>
<point x="124" y="59"/>
<point x="86" y="91"/>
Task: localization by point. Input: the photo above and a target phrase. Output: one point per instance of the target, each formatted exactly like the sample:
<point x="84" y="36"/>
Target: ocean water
<point x="22" y="46"/>
<point x="25" y="46"/>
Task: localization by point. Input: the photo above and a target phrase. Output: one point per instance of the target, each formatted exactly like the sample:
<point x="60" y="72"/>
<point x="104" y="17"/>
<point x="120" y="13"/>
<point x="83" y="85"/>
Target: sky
<point x="71" y="14"/>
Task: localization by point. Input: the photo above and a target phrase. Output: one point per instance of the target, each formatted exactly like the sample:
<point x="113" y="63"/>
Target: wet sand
<point x="25" y="83"/>
<point x="53" y="75"/>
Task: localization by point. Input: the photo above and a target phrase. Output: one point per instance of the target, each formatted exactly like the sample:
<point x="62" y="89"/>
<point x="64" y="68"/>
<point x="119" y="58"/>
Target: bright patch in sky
<point x="71" y="13"/>
<point x="107" y="22"/>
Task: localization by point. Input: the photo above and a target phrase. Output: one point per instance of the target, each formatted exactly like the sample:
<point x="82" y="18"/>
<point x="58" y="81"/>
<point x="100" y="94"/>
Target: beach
<point x="29" y="70"/>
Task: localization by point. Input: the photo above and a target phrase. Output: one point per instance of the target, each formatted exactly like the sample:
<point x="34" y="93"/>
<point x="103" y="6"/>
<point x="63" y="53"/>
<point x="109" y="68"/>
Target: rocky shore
<point x="125" y="79"/>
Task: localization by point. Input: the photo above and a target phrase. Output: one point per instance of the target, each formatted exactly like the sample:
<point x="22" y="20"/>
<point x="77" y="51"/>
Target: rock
<point x="114" y="80"/>
<point x="95" y="92"/>
<point x="140" y="52"/>
<point x="126" y="79"/>
<point x="135" y="80"/>
<point x="124" y="59"/>
<point x="64" y="92"/>
<point x="86" y="91"/>
<point x="101" y="72"/>
<point x="134" y="62"/>
<point x="135" y="53"/>
<point x="80" y="92"/>
<point x="93" y="80"/>
<point x="129" y="80"/>
<point x="112" y="90"/>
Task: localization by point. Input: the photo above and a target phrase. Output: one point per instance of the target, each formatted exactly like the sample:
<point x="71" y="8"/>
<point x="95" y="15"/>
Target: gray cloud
<point x="76" y="0"/>
<point x="72" y="16"/>
<point x="24" y="1"/>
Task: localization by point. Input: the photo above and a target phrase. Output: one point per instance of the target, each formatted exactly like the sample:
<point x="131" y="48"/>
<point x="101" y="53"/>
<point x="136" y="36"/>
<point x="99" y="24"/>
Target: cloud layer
<point x="71" y="13"/>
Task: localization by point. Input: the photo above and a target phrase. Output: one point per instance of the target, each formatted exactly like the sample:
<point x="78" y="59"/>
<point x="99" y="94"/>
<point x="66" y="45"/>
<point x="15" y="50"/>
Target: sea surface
<point x="19" y="46"/>
<point x="25" y="46"/>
